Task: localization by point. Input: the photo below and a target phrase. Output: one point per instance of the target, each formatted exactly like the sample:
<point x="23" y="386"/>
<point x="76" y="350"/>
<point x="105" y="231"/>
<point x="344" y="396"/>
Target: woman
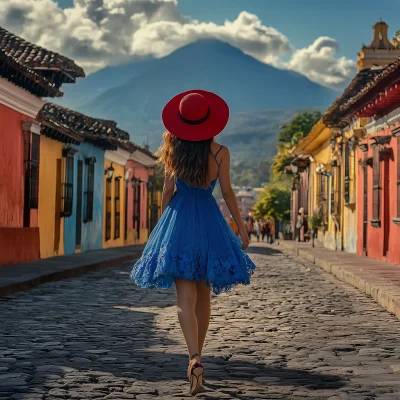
<point x="192" y="244"/>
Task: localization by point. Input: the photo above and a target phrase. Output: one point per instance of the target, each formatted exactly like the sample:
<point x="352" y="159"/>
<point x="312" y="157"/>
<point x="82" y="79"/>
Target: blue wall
<point x="92" y="232"/>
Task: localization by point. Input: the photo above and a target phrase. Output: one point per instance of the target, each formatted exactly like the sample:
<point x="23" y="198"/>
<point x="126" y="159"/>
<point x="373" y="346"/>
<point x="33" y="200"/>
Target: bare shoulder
<point x="222" y="150"/>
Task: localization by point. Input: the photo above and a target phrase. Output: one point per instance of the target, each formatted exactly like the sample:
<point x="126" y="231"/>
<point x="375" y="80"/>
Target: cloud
<point x="319" y="63"/>
<point x="97" y="33"/>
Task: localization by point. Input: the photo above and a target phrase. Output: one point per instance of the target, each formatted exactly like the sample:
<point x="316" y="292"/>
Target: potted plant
<point x="314" y="222"/>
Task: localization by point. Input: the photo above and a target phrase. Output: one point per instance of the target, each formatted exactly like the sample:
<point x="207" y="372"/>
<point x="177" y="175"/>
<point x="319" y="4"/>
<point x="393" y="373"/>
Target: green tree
<point x="290" y="136"/>
<point x="300" y="123"/>
<point x="274" y="201"/>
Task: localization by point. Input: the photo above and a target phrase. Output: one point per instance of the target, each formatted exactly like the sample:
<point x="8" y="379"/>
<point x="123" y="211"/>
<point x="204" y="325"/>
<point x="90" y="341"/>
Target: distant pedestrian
<point x="257" y="230"/>
<point x="249" y="227"/>
<point x="200" y="257"/>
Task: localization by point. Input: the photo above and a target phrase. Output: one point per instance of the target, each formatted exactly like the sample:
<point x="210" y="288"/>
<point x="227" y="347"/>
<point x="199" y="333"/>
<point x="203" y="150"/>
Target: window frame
<point x="117" y="208"/>
<point x="89" y="193"/>
<point x="376" y="187"/>
<point x="398" y="176"/>
<point x="68" y="186"/>
<point x="108" y="211"/>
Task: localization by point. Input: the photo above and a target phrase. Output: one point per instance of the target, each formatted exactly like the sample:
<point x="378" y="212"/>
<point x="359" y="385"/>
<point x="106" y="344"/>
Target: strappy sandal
<point x="196" y="372"/>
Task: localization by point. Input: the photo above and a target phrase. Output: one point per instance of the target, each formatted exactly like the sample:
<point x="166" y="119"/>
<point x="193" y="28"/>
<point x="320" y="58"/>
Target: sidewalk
<point x="378" y="279"/>
<point x="14" y="278"/>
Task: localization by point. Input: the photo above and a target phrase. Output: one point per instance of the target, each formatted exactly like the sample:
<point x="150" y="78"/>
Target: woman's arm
<point x="168" y="192"/>
<point x="229" y="195"/>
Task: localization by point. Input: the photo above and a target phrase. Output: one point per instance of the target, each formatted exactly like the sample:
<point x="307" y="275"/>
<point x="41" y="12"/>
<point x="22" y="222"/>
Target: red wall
<point x="383" y="243"/>
<point x="11" y="167"/>
<point x="19" y="245"/>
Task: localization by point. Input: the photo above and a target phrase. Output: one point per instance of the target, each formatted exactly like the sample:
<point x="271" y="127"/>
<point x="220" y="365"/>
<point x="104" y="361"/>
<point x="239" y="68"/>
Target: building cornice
<point x="383" y="123"/>
<point x="118" y="156"/>
<point x="306" y="144"/>
<point x="142" y="158"/>
<point x="19" y="99"/>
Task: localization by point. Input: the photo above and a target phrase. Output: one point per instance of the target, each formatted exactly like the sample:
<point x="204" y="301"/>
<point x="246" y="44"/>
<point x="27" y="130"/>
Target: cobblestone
<point x="295" y="333"/>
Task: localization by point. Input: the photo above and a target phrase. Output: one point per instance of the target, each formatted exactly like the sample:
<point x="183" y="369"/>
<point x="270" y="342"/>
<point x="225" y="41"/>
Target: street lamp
<point x="109" y="172"/>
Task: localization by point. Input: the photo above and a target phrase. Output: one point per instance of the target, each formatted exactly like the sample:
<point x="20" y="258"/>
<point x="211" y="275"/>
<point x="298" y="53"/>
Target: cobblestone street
<point x="295" y="333"/>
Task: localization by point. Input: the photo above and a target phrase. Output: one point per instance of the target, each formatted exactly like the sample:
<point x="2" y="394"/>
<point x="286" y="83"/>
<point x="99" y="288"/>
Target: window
<point x="398" y="176"/>
<point x="322" y="196"/>
<point x="347" y="174"/>
<point x="67" y="199"/>
<point x="117" y="209"/>
<point x="333" y="209"/>
<point x="108" y="209"/>
<point x="376" y="188"/>
<point x="32" y="157"/>
<point x="90" y="162"/>
<point x="365" y="204"/>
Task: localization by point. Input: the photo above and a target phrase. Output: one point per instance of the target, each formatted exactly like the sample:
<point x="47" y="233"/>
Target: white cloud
<point x="97" y="33"/>
<point x="319" y="63"/>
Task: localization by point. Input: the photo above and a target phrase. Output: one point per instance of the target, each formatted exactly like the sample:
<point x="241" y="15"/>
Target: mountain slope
<point x="246" y="84"/>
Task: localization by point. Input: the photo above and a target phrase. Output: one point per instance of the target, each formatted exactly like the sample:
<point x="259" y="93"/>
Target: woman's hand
<point x="245" y="239"/>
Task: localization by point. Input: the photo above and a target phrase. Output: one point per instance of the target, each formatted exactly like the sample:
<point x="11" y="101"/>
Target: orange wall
<point x="11" y="167"/>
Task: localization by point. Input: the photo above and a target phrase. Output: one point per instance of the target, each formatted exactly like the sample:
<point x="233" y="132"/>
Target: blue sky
<point x="348" y="21"/>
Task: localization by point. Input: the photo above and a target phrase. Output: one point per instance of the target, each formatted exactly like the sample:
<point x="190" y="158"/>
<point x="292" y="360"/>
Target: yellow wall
<point x="50" y="222"/>
<point x="348" y="211"/>
<point x="119" y="170"/>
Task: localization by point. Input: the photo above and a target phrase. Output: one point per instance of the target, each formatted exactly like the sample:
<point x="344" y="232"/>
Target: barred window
<point x="398" y="176"/>
<point x="376" y="188"/>
<point x="31" y="188"/>
<point x="68" y="185"/>
<point x="108" y="209"/>
<point x="90" y="163"/>
<point x="117" y="209"/>
<point x="333" y="211"/>
<point x="347" y="174"/>
<point x="322" y="197"/>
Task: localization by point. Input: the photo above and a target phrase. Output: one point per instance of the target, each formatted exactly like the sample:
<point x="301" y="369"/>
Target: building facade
<point x="27" y="74"/>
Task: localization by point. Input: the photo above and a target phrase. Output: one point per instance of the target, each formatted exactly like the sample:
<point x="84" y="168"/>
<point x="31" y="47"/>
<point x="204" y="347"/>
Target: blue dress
<point x="192" y="241"/>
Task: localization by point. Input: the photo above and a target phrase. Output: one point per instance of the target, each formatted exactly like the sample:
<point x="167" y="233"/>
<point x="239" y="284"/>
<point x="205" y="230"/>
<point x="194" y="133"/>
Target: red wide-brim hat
<point x="195" y="115"/>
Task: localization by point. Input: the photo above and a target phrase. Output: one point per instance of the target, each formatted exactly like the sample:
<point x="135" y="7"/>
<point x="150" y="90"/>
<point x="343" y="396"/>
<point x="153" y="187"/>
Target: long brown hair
<point x="185" y="159"/>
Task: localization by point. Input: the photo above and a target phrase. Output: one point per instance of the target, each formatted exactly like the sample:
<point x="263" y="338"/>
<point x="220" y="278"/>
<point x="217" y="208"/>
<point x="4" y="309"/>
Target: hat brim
<point x="212" y="126"/>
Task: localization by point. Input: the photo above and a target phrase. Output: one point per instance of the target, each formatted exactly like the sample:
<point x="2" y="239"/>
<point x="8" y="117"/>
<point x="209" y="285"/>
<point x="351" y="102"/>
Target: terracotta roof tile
<point x="35" y="57"/>
<point x="384" y="76"/>
<point x="334" y="114"/>
<point x="89" y="127"/>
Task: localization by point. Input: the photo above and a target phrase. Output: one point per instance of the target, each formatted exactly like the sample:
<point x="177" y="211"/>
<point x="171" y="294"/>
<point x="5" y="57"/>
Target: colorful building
<point x="142" y="196"/>
<point x="334" y="176"/>
<point x="381" y="51"/>
<point x="378" y="156"/>
<point x="27" y="73"/>
<point x="80" y="182"/>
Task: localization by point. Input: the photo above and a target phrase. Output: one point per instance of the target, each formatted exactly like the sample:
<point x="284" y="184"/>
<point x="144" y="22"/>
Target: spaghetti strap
<point x="216" y="154"/>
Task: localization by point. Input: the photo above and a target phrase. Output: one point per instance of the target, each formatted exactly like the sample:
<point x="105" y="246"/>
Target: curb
<point x="6" y="290"/>
<point x="384" y="292"/>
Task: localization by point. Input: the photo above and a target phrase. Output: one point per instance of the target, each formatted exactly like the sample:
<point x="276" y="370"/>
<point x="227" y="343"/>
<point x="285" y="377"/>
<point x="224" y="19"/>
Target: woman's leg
<point x="187" y="298"/>
<point x="203" y="311"/>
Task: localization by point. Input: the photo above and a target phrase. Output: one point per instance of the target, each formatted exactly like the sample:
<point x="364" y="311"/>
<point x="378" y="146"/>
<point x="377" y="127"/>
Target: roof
<point x="71" y="126"/>
<point x="101" y="132"/>
<point x="26" y="78"/>
<point x="383" y="78"/>
<point x="335" y="113"/>
<point x="38" y="58"/>
<point x="34" y="68"/>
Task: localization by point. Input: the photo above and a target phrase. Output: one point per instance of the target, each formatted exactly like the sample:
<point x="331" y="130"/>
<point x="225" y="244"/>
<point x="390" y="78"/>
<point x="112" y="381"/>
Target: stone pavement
<point x="295" y="333"/>
<point x="25" y="276"/>
<point x="378" y="279"/>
